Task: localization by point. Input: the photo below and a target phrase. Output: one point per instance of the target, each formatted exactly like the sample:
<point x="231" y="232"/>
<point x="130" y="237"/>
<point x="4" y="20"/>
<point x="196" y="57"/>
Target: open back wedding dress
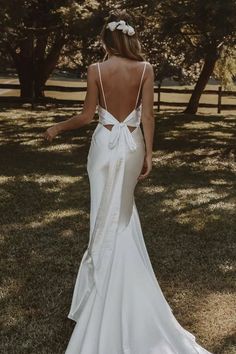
<point x="117" y="303"/>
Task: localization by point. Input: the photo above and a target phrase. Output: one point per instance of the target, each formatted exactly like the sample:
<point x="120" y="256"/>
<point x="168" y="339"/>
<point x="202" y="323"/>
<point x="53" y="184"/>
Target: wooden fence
<point x="219" y="93"/>
<point x="158" y="103"/>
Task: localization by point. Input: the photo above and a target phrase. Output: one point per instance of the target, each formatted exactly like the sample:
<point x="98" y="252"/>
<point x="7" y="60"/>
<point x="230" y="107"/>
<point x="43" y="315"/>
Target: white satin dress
<point x="117" y="303"/>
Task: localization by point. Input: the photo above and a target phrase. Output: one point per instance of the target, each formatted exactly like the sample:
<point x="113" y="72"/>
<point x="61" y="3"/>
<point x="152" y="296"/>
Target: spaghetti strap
<point x="144" y="67"/>
<point x="100" y="78"/>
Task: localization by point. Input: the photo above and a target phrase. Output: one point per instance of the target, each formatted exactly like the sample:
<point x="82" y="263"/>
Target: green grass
<point x="187" y="210"/>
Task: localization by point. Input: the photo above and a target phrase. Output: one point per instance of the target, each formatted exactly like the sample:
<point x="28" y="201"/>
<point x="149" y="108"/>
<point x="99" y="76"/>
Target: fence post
<point x="219" y="99"/>
<point x="159" y="98"/>
<point x="33" y="102"/>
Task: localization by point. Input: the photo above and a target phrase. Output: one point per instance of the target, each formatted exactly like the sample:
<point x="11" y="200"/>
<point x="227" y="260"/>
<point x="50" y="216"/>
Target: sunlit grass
<point x="186" y="206"/>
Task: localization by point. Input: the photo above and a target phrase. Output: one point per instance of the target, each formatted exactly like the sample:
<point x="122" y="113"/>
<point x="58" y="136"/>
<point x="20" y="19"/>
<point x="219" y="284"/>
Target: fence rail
<point x="158" y="103"/>
<point x="219" y="93"/>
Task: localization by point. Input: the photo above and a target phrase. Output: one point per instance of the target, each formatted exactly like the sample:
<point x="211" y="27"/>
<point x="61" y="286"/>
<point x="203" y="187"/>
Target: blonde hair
<point x="117" y="42"/>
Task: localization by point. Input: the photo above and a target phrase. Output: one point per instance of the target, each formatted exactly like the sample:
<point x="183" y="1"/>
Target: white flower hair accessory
<point x="121" y="25"/>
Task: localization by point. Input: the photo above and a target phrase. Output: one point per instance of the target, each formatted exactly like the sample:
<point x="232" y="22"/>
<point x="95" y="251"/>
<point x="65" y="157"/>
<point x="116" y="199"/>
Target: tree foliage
<point x="36" y="32"/>
<point x="199" y="30"/>
<point x="225" y="69"/>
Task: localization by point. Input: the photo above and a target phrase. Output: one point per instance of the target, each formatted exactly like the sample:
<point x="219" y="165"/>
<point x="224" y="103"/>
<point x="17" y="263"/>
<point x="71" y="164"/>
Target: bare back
<point x="120" y="86"/>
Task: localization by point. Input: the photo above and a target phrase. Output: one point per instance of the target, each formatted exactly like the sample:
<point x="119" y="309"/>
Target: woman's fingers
<point x="145" y="170"/>
<point x="145" y="174"/>
<point x="49" y="134"/>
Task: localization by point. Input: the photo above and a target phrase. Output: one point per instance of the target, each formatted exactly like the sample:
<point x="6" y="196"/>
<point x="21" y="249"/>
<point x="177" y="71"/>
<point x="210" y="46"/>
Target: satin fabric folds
<point x="117" y="303"/>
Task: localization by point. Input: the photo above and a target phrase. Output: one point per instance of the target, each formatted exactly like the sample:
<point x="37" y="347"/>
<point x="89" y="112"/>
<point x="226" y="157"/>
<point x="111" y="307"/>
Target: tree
<point x="225" y="69"/>
<point x="205" y="28"/>
<point x="186" y="38"/>
<point x="34" y="33"/>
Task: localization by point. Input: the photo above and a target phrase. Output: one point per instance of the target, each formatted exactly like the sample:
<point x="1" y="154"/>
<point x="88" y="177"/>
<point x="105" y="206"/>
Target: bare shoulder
<point x="149" y="71"/>
<point x="92" y="71"/>
<point x="92" y="67"/>
<point x="149" y="66"/>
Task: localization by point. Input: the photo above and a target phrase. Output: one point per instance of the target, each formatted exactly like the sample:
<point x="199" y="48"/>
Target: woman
<point x="117" y="303"/>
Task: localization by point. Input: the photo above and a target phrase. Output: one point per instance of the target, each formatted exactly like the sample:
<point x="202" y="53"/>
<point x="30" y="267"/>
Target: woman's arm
<point x="88" y="111"/>
<point x="148" y="119"/>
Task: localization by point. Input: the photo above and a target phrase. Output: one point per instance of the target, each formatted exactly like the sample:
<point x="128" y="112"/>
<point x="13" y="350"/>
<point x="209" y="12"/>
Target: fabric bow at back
<point x="120" y="129"/>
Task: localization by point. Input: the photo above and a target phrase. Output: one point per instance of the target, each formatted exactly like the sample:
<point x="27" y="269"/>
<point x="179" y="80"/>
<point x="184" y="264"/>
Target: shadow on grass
<point x="188" y="132"/>
<point x="186" y="206"/>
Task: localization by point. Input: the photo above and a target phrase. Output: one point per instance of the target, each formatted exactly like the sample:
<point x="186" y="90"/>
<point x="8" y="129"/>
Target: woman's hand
<point x="50" y="133"/>
<point x="147" y="167"/>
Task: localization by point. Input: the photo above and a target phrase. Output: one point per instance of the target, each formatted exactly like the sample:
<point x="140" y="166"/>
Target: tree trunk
<point x="39" y="54"/>
<point x="25" y="75"/>
<point x="26" y="82"/>
<point x="24" y="67"/>
<point x="32" y="67"/>
<point x="203" y="79"/>
<point x="45" y="66"/>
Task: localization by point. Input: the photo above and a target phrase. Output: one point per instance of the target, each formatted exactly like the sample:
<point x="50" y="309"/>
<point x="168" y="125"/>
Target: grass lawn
<point x="187" y="210"/>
